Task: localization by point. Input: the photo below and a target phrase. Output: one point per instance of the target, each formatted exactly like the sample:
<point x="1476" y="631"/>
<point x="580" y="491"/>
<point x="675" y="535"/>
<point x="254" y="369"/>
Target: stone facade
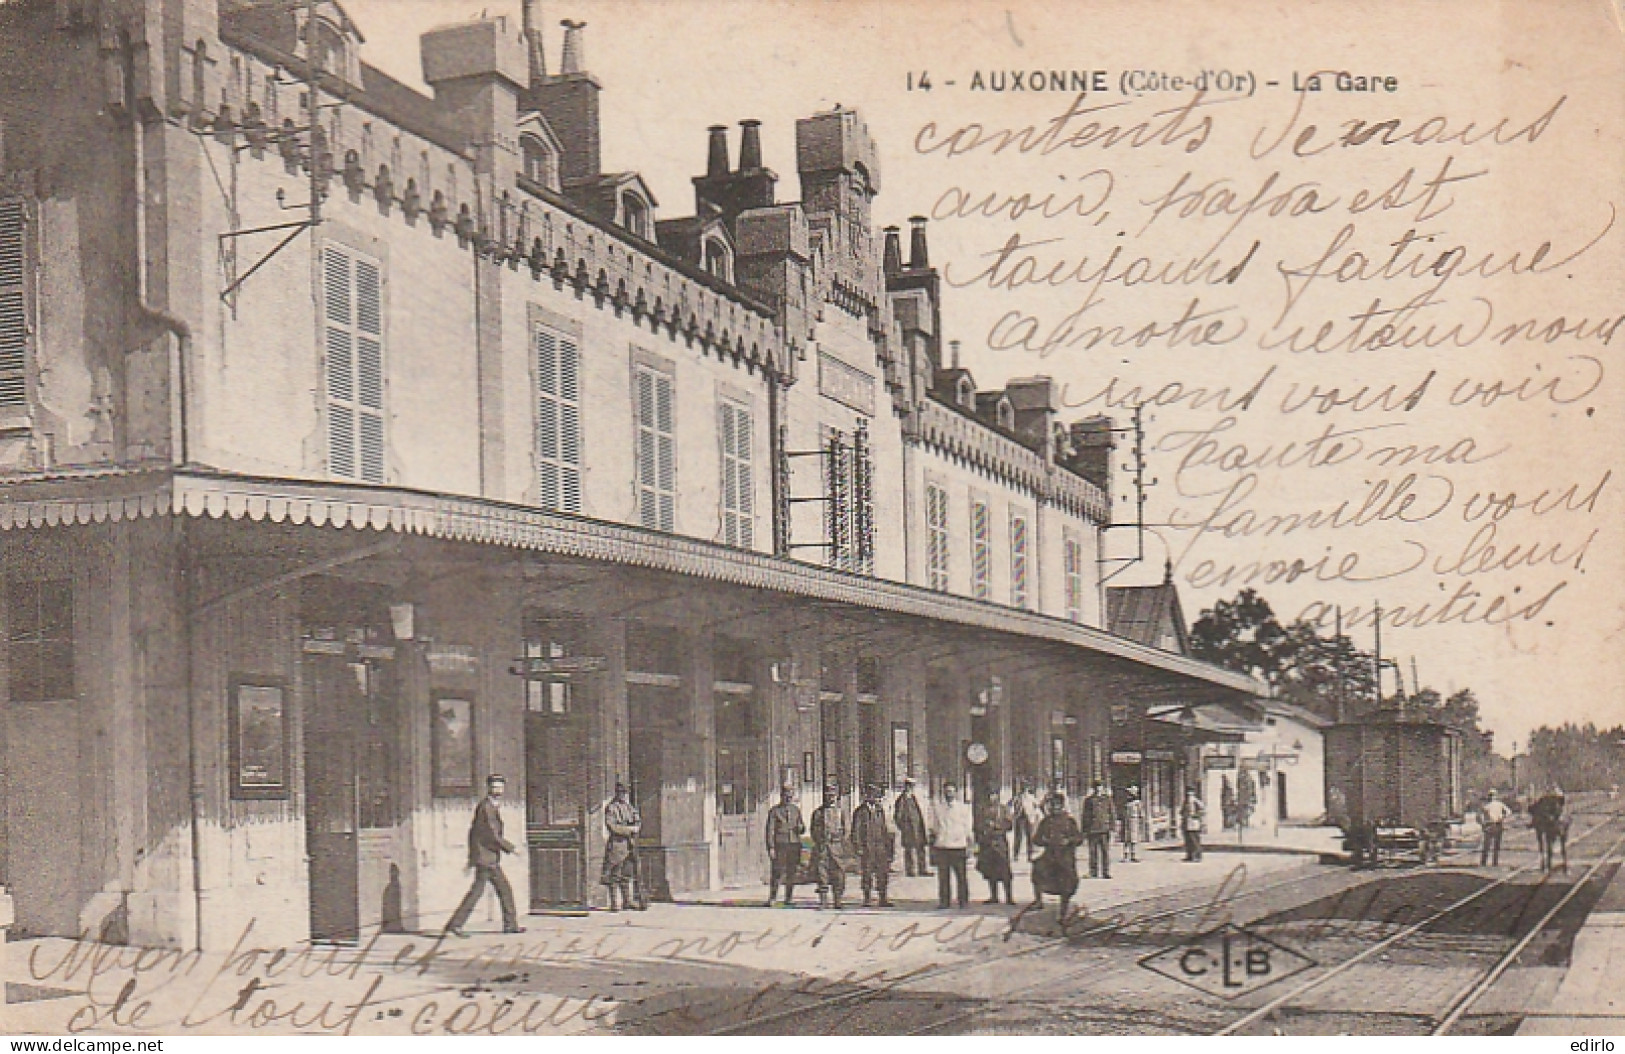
<point x="407" y="427"/>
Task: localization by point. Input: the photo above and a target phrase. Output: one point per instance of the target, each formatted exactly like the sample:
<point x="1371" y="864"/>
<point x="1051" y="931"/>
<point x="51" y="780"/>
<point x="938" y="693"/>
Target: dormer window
<point x="716" y="259"/>
<point x="635" y="215"/>
<point x="967" y="394"/>
<point x="541" y="161"/>
<point x="331" y="50"/>
<point x="1006" y="415"/>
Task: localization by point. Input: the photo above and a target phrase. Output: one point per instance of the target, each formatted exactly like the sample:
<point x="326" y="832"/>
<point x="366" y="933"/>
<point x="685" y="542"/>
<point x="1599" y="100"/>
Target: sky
<point x="1503" y="132"/>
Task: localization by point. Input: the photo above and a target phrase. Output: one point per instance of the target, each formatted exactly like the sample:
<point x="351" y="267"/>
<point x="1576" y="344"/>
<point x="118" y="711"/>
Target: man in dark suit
<point x="485" y="848"/>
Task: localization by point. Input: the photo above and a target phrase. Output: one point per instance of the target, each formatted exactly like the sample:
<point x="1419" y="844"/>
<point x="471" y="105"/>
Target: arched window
<point x="541" y="163"/>
<point x="1007" y="415"/>
<point x="716" y="260"/>
<point x="635" y="215"/>
<point x="967" y="394"/>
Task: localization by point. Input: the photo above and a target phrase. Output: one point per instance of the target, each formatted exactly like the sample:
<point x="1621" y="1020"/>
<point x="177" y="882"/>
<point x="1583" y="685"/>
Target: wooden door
<point x="555" y="805"/>
<point x="331" y="798"/>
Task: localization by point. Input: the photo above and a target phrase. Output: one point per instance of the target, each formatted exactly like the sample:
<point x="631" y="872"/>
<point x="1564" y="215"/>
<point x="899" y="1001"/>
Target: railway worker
<point x="622" y="824"/>
<point x="1097" y="829"/>
<point x="1056" y="871"/>
<point x="1190" y="825"/>
<point x="872" y="838"/>
<point x="950" y="841"/>
<point x="1492" y="815"/>
<point x="830" y="847"/>
<point x="784" y="831"/>
<point x="911" y="830"/>
<point x="1027" y="812"/>
<point x="1134" y="825"/>
<point x="485" y="848"/>
<point x="993" y="848"/>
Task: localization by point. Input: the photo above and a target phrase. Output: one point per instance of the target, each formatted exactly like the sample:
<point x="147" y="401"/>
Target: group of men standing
<point x="868" y="839"/>
<point x="956" y="828"/>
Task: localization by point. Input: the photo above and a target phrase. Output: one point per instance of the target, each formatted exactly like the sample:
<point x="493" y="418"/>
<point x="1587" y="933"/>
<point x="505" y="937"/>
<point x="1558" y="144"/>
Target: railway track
<point x="1464" y="1000"/>
<point x="921" y="1000"/>
<point x="913" y="991"/>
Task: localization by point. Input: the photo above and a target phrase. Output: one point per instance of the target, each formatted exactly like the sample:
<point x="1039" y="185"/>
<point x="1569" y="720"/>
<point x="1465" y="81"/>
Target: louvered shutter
<point x="666" y="480"/>
<point x="737" y="495"/>
<point x="1018" y="561"/>
<point x="744" y="482"/>
<point x="370" y="370"/>
<point x="558" y="422"/>
<point x="341" y="425"/>
<point x="354" y="346"/>
<point x="13" y="309"/>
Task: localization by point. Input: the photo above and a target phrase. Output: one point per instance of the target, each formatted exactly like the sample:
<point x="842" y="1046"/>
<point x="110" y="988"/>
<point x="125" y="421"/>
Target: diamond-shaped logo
<point x="1227" y="962"/>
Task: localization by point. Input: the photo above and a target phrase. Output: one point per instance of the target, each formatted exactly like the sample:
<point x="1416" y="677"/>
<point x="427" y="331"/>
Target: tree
<point x="1327" y="675"/>
<point x="1241" y="634"/>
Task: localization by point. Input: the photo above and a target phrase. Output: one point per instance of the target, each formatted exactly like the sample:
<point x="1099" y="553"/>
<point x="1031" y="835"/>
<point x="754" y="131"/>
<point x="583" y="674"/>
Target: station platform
<point x="1590" y="1000"/>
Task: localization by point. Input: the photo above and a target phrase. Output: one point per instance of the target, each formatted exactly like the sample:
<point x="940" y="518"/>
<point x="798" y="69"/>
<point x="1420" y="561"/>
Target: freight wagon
<point x="1393" y="784"/>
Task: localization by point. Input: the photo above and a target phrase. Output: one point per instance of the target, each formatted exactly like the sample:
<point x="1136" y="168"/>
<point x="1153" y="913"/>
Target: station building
<point x="357" y="442"/>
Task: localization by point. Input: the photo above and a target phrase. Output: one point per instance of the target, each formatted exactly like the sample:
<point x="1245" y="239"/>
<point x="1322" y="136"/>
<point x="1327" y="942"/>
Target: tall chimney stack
<point x="533" y="42"/>
<point x="716" y="154"/>
<point x="575" y="59"/>
<point x="953" y="354"/>
<point x="750" y="145"/>
<point x="917" y="258"/>
<point x="893" y="260"/>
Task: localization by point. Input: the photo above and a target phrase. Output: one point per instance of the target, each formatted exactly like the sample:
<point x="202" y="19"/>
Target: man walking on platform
<point x="485" y="848"/>
<point x="784" y="831"/>
<point x="872" y="838"/>
<point x="911" y="830"/>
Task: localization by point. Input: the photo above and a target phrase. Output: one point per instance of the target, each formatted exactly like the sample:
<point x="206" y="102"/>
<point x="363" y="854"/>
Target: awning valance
<point x="115" y="497"/>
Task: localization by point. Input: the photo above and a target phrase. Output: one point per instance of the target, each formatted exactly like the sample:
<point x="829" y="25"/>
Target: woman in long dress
<point x="1056" y="872"/>
<point x="993" y="849"/>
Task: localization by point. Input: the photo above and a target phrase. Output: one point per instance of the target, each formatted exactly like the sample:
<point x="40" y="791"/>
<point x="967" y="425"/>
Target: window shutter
<point x="737" y="496"/>
<point x="558" y="423"/>
<point x="13" y="309"/>
<point x="352" y="294"/>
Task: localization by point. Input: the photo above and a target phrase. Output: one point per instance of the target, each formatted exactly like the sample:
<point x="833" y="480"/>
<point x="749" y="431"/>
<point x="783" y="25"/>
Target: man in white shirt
<point x="1027" y="813"/>
<point x="1493" y="815"/>
<point x="950" y="839"/>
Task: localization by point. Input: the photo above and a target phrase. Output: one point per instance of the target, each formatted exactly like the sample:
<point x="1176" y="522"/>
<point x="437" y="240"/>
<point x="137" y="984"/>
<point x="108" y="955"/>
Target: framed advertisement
<point x="451" y="744"/>
<point x="257" y="726"/>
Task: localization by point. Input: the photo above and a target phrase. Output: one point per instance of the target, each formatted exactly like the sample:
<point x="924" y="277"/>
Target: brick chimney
<point x="918" y="259"/>
<point x="1091" y="454"/>
<point x="569" y="102"/>
<point x="893" y="255"/>
<point x="752" y="186"/>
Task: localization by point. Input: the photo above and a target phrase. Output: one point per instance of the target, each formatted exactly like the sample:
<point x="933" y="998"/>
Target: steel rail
<point x="1383" y="945"/>
<point x="865" y="995"/>
<point x="1465" y="999"/>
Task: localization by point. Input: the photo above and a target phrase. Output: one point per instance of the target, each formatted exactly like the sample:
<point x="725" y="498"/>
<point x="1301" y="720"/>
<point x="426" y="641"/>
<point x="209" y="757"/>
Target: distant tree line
<point x="1576" y="757"/>
<point x="1329" y="676"/>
